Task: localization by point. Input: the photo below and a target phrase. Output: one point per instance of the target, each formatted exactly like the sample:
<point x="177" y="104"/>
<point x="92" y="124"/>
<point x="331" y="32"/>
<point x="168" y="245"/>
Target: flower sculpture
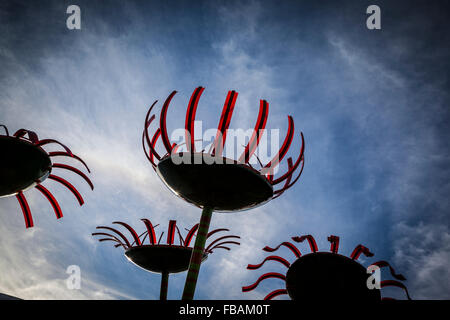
<point x="326" y="275"/>
<point x="211" y="181"/>
<point x="24" y="164"/>
<point x="162" y="258"/>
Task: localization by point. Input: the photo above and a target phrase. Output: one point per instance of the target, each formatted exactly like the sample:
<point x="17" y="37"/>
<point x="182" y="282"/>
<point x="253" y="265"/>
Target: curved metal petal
<point x="171" y="231"/>
<point x="268" y="168"/>
<point x="360" y="249"/>
<point x="6" y="129"/>
<point x="67" y="167"/>
<point x="68" y="186"/>
<point x="47" y="141"/>
<point x="224" y="122"/>
<point x="145" y="134"/>
<point x="394" y="283"/>
<point x="250" y="148"/>
<point x="131" y="230"/>
<point x="32" y="136"/>
<point x="222" y="243"/>
<point x="296" y="164"/>
<point x="190" y="118"/>
<point x="219" y="239"/>
<point x="311" y="241"/>
<point x="51" y="199"/>
<point x="383" y="264"/>
<point x="269" y="258"/>
<point x="293" y="182"/>
<point x="109" y="235"/>
<point x="66" y="154"/>
<point x="151" y="231"/>
<point x="106" y="234"/>
<point x="286" y="184"/>
<point x="275" y="293"/>
<point x="25" y="210"/>
<point x="289" y="245"/>
<point x="152" y="152"/>
<point x="162" y="123"/>
<point x="334" y="248"/>
<point x="263" y="277"/>
<point x="118" y="233"/>
<point x="219" y="247"/>
<point x="190" y="235"/>
<point x="153" y="143"/>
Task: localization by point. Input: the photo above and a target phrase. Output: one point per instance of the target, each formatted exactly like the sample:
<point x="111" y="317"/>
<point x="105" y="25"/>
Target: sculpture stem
<point x="164" y="285"/>
<point x="197" y="254"/>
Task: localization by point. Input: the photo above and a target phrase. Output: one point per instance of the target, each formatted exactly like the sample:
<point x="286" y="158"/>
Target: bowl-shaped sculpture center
<point x="328" y="276"/>
<point x="218" y="183"/>
<point x="22" y="165"/>
<point x="161" y="258"/>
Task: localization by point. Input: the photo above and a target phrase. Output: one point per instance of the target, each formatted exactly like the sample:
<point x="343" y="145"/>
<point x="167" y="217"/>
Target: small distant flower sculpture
<point x="162" y="258"/>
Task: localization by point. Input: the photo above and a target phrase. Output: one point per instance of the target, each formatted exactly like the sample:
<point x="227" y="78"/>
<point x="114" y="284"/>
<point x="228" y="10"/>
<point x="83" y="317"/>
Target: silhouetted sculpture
<point x="162" y="258"/>
<point x="24" y="164"/>
<point x="209" y="180"/>
<point x="327" y="276"/>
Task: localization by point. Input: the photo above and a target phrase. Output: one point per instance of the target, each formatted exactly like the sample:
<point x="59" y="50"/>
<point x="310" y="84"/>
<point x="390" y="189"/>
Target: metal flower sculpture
<point x="24" y="164"/>
<point x="211" y="181"/>
<point x="162" y="258"/>
<point x="325" y="275"/>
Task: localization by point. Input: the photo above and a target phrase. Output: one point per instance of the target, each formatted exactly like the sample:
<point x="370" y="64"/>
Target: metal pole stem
<point x="164" y="285"/>
<point x="197" y="254"/>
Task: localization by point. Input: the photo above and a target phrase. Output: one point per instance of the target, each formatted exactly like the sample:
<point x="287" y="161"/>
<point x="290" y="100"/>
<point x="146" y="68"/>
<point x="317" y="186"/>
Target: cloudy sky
<point x="373" y="106"/>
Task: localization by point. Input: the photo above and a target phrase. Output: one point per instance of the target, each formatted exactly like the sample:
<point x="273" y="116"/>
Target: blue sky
<point x="372" y="104"/>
